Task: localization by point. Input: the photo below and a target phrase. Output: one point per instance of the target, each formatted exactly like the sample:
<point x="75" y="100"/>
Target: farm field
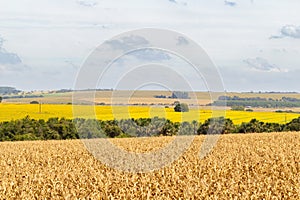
<point x="140" y="97"/>
<point x="252" y="166"/>
<point x="17" y="111"/>
<point x="117" y="97"/>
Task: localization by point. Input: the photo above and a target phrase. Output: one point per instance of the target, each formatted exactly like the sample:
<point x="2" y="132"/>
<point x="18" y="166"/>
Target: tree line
<point x="62" y="129"/>
<point x="175" y="95"/>
<point x="256" y="102"/>
<point x="263" y="104"/>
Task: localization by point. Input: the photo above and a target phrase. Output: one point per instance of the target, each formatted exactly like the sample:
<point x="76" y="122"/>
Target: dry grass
<point x="257" y="166"/>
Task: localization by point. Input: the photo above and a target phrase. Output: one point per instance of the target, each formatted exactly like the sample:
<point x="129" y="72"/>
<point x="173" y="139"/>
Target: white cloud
<point x="87" y="3"/>
<point x="182" y="41"/>
<point x="127" y="43"/>
<point x="151" y="55"/>
<point x="9" y="58"/>
<point x="291" y="31"/>
<point x="10" y="62"/>
<point x="13" y="68"/>
<point x="262" y="64"/>
<point x="183" y="3"/>
<point x="230" y="3"/>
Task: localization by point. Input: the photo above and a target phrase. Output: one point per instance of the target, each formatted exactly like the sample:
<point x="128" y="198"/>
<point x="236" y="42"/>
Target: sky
<point x="255" y="45"/>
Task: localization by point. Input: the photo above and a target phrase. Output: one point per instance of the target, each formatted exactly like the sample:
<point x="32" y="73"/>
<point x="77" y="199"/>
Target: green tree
<point x="218" y="125"/>
<point x="169" y="129"/>
<point x="195" y="126"/>
<point x="294" y="125"/>
<point x="90" y="128"/>
<point x="181" y="107"/>
<point x="186" y="128"/>
<point x="254" y="126"/>
<point x="111" y="128"/>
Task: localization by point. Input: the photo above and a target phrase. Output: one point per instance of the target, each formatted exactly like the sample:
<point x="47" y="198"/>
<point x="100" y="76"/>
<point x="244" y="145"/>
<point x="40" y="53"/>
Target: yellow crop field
<point x="252" y="166"/>
<point x="17" y="111"/>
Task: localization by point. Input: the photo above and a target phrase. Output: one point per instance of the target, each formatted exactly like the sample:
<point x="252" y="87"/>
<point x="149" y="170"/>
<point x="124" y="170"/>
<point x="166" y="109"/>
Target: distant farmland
<point x="140" y="97"/>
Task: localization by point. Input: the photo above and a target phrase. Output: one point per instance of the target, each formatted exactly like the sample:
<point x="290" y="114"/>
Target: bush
<point x="238" y="108"/>
<point x="34" y="102"/>
<point x="181" y="107"/>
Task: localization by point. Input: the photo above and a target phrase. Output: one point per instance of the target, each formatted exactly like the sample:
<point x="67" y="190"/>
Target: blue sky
<point x="254" y="44"/>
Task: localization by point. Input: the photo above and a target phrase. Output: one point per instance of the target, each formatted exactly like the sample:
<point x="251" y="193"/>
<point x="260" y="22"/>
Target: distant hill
<point x="8" y="90"/>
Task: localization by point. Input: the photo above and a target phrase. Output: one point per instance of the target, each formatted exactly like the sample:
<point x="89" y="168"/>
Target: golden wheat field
<point x="252" y="166"/>
<point x="17" y="111"/>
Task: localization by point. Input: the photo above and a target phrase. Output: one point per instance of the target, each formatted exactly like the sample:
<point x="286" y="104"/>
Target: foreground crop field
<point x="253" y="166"/>
<point x="17" y="111"/>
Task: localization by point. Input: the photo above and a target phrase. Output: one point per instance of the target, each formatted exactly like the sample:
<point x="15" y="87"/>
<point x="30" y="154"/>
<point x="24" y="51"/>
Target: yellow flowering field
<point x="17" y="111"/>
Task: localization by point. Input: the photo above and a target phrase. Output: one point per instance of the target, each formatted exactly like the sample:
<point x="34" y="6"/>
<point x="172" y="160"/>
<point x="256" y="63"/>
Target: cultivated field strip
<point x="18" y="111"/>
<point x="252" y="166"/>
